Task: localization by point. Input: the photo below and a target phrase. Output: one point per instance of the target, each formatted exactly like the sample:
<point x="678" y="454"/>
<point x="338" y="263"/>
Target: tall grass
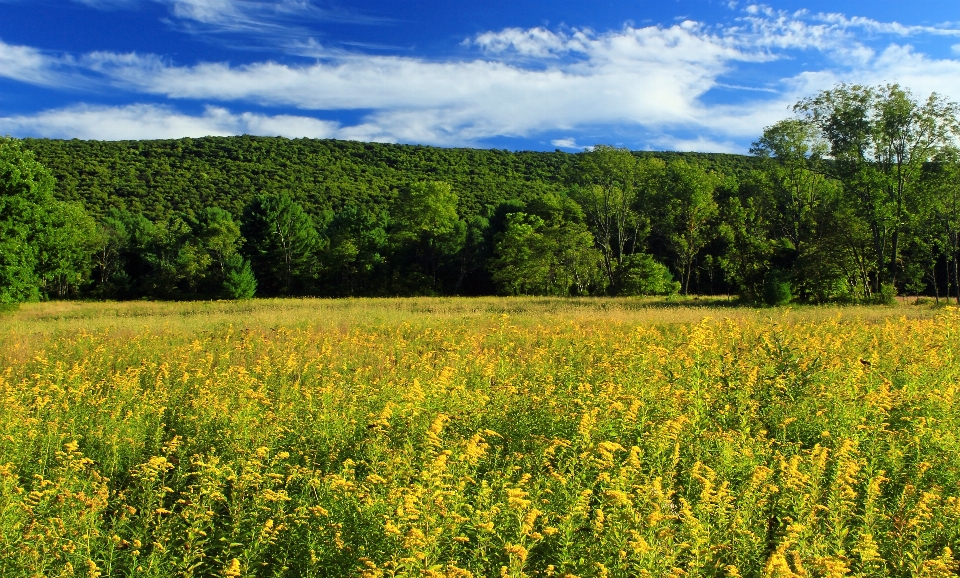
<point x="478" y="437"/>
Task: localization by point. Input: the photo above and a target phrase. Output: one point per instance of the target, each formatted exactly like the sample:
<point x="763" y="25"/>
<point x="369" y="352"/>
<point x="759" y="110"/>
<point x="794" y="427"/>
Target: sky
<point x="688" y="75"/>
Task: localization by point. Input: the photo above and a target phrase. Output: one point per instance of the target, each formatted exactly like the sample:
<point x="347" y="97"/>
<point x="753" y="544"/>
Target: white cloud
<point x="566" y="143"/>
<point x="651" y="76"/>
<point x="28" y="64"/>
<point x="536" y="42"/>
<point x="700" y="144"/>
<point x="209" y="11"/>
<point x="523" y="82"/>
<point x="147" y="121"/>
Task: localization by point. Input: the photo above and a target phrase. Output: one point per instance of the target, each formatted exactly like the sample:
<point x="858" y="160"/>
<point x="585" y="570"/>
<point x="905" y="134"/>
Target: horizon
<point x="686" y="76"/>
<point x="585" y="149"/>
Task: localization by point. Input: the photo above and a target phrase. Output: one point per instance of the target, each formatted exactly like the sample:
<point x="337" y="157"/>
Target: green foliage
<point x="613" y="187"/>
<point x="880" y="139"/>
<point x="687" y="214"/>
<point x="426" y="232"/>
<point x="357" y="249"/>
<point x="238" y="279"/>
<point x="282" y="244"/>
<point x="523" y="257"/>
<point x="65" y="245"/>
<point x="776" y="288"/>
<point x="887" y="295"/>
<point x="856" y="191"/>
<point x="535" y="257"/>
<point x="641" y="274"/>
<point x="45" y="244"/>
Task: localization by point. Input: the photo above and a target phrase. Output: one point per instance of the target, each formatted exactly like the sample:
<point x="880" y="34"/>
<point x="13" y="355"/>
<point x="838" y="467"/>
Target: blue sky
<point x="704" y="75"/>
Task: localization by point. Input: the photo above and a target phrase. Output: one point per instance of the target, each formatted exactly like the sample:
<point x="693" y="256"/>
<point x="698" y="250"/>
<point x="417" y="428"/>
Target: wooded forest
<point x="854" y="198"/>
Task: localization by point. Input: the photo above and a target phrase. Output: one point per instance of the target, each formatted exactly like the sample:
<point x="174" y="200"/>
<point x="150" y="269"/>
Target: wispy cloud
<point x="146" y="121"/>
<point x="274" y="24"/>
<point x="520" y="83"/>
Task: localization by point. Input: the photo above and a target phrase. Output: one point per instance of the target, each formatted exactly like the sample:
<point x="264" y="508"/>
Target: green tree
<point x="540" y="257"/>
<point x="688" y="213"/>
<point x="65" y="245"/>
<point x="426" y="232"/>
<point x="358" y="244"/>
<point x="938" y="233"/>
<point x="239" y="281"/>
<point x="641" y="274"/>
<point x="25" y="187"/>
<point x="523" y="262"/>
<point x="792" y="179"/>
<point x="612" y="185"/>
<point x="879" y="139"/>
<point x="230" y="274"/>
<point x="282" y="244"/>
<point x="175" y="258"/>
<point x="746" y="231"/>
<point x="45" y="244"/>
<point x="110" y="241"/>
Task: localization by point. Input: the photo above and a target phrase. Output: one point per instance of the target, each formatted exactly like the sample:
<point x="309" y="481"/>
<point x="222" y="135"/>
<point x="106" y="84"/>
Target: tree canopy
<point x="854" y="198"/>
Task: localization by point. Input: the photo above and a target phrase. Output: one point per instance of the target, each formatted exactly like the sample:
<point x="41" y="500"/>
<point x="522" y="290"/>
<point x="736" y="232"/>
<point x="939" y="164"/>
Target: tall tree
<point x="65" y="245"/>
<point x="612" y="185"/>
<point x="110" y="241"/>
<point x="688" y="214"/>
<point x="25" y="186"/>
<point x="879" y="140"/>
<point x="356" y="252"/>
<point x="746" y="230"/>
<point x="533" y="256"/>
<point x="282" y="244"/>
<point x="45" y="244"/>
<point x="230" y="274"/>
<point x="426" y="231"/>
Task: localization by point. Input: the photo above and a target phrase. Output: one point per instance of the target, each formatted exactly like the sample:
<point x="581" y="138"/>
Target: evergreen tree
<point x="282" y="244"/>
<point x="239" y="281"/>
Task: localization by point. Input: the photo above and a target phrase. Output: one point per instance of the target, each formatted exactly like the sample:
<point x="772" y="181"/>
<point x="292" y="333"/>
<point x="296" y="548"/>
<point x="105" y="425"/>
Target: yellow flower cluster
<point x="494" y="446"/>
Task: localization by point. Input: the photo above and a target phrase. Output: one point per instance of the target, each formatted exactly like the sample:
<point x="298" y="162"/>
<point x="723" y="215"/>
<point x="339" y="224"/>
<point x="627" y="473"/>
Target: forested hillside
<point x="855" y="198"/>
<point x="162" y="177"/>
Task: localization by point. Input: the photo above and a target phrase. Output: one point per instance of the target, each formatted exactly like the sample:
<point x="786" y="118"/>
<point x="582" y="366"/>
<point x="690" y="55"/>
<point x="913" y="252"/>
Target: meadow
<point x="478" y="437"/>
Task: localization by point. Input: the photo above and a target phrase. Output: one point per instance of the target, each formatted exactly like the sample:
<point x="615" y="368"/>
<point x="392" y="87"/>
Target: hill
<point x="184" y="176"/>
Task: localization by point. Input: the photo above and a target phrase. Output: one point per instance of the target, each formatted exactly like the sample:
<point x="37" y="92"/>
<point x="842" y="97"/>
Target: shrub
<point x="776" y="289"/>
<point x="887" y="295"/>
<point x="641" y="274"/>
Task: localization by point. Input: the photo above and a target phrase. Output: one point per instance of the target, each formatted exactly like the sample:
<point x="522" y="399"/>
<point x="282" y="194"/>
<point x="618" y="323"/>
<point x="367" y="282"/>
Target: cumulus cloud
<point x="148" y="121"/>
<point x="521" y="82"/>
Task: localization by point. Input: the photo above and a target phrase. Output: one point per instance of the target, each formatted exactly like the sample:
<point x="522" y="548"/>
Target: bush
<point x="887" y="295"/>
<point x="776" y="289"/>
<point x="641" y="274"/>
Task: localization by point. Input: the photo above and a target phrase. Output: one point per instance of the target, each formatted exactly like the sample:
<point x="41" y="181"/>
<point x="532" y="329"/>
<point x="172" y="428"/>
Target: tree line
<point x="854" y="198"/>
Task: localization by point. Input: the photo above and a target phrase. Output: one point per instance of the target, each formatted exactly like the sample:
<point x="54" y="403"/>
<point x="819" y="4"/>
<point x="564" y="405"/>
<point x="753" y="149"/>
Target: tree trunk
<point x="895" y="241"/>
<point x="956" y="277"/>
<point x="936" y="287"/>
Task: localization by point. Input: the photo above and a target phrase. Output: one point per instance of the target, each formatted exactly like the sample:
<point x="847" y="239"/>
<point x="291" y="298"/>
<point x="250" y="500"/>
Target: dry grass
<point x="35" y="319"/>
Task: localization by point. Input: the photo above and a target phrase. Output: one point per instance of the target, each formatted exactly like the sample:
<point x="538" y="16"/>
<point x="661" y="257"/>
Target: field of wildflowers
<point x="481" y="438"/>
